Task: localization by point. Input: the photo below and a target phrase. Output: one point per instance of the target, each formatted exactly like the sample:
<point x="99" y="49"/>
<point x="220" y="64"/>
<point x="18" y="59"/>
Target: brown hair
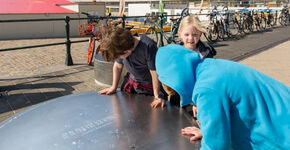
<point x="191" y="20"/>
<point x="115" y="41"/>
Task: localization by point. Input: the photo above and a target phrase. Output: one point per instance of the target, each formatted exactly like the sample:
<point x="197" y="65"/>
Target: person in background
<point x="137" y="54"/>
<point x="190" y="30"/>
<point x="238" y="107"/>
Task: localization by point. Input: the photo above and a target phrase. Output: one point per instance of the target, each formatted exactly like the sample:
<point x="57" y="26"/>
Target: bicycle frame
<point x="93" y="30"/>
<point x="157" y="27"/>
<point x="169" y="38"/>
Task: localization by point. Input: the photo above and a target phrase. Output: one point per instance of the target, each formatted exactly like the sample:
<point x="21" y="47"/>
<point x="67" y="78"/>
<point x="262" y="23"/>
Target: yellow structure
<point x="142" y="29"/>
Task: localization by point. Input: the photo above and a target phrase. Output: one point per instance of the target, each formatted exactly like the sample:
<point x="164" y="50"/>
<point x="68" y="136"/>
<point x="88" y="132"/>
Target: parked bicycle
<point x="228" y="25"/>
<point x="256" y="20"/>
<point x="263" y="20"/>
<point x="219" y="26"/>
<point x="212" y="29"/>
<point x="92" y="29"/>
<point x="284" y="18"/>
<point x="156" y="28"/>
<point x="270" y="18"/>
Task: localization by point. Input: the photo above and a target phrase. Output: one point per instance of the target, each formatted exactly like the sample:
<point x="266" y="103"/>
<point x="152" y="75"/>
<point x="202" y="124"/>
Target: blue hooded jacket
<point x="238" y="107"/>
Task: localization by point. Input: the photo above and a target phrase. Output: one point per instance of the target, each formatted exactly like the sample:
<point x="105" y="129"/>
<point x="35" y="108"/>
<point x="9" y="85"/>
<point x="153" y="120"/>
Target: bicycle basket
<point x="99" y="32"/>
<point x="86" y="29"/>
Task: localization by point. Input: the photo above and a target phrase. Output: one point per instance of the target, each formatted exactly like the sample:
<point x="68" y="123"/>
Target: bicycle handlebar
<point x="85" y="13"/>
<point x="184" y="12"/>
<point x="92" y="17"/>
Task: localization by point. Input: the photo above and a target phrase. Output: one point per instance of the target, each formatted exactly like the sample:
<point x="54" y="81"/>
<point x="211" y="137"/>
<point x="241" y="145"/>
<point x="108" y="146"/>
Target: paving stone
<point x="4" y="105"/>
<point x="17" y="101"/>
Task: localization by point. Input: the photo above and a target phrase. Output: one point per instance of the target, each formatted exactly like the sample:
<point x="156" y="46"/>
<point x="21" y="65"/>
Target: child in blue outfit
<point x="238" y="107"/>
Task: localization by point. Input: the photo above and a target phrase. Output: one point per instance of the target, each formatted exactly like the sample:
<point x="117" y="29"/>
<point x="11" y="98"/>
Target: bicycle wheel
<point x="251" y="25"/>
<point x="233" y="27"/>
<point x="213" y="33"/>
<point x="207" y="38"/>
<point x="91" y="50"/>
<point x="257" y="25"/>
<point x="280" y="20"/>
<point x="271" y="20"/>
<point x="263" y="23"/>
<point x="284" y="20"/>
<point x="152" y="33"/>
<point x="221" y="32"/>
<point x="246" y="27"/>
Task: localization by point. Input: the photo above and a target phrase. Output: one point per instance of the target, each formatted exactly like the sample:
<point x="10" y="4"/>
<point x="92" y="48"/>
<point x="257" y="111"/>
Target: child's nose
<point x="190" y="37"/>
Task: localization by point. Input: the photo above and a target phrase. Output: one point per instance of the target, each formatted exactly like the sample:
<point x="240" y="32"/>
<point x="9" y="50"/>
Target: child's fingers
<point x="154" y="104"/>
<point x="189" y="131"/>
<point x="195" y="137"/>
<point x="162" y="104"/>
<point x="102" y="91"/>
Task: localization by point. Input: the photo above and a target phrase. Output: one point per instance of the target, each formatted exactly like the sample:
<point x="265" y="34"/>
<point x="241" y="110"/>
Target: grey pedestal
<point x="104" y="71"/>
<point x="89" y="121"/>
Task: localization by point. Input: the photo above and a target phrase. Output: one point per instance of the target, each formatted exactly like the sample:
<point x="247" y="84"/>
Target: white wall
<point x="138" y="9"/>
<point x="44" y="29"/>
<point x="36" y="29"/>
<point x="74" y="7"/>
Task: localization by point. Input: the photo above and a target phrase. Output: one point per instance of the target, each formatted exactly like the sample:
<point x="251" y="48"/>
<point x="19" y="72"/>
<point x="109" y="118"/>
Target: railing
<point x="68" y="42"/>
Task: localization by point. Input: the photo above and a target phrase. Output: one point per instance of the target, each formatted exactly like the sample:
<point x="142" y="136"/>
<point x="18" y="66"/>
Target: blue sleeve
<point x="214" y="117"/>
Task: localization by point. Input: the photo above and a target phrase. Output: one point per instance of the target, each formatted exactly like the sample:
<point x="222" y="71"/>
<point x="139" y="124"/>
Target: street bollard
<point x="68" y="59"/>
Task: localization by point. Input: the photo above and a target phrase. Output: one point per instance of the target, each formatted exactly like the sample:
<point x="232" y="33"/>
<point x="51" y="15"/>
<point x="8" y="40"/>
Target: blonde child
<point x="190" y="31"/>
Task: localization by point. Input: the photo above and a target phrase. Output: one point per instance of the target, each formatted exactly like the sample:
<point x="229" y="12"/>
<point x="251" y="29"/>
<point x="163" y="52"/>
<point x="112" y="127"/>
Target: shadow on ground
<point x="23" y="92"/>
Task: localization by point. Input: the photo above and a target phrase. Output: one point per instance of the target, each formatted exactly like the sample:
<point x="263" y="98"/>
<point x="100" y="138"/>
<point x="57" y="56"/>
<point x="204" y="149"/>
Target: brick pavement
<point x="25" y="92"/>
<point x="31" y="76"/>
<point x="28" y="62"/>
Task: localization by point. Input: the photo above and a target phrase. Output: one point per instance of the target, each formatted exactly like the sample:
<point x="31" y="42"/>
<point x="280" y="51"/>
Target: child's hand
<point x="194" y="109"/>
<point x="108" y="91"/>
<point x="192" y="132"/>
<point x="158" y="102"/>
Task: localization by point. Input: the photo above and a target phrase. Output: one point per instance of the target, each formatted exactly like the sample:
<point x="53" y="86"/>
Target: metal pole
<point x="68" y="59"/>
<point x="161" y="28"/>
<point x="123" y="21"/>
